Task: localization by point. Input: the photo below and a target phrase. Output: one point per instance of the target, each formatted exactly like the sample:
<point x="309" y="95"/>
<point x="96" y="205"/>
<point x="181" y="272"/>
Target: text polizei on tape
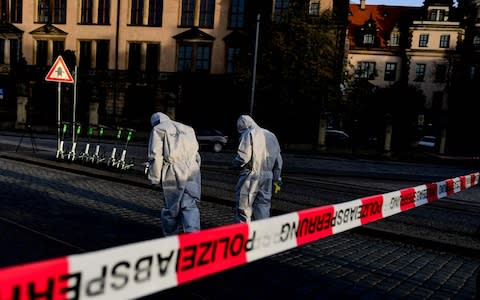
<point x="143" y="268"/>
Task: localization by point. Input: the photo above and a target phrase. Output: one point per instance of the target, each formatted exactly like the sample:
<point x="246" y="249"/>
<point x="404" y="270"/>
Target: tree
<point x="398" y="104"/>
<point x="296" y="82"/>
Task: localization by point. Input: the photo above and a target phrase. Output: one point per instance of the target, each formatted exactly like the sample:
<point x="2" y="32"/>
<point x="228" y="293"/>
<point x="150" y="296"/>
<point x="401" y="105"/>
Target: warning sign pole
<point x="59" y="121"/>
<point x="74" y="105"/>
<point x="60" y="73"/>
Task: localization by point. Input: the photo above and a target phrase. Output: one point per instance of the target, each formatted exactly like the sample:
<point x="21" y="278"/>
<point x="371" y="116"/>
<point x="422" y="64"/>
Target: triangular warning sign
<point x="59" y="72"/>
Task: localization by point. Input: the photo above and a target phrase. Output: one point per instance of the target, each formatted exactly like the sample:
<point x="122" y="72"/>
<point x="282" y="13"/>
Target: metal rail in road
<point x="58" y="213"/>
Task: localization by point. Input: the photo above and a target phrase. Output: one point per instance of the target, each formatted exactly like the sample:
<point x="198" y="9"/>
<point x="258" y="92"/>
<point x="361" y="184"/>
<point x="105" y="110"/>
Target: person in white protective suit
<point x="260" y="162"/>
<point x="174" y="162"/>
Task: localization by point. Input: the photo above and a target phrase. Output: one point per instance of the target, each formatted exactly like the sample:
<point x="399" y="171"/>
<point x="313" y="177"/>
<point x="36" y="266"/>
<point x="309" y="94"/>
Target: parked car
<point x="211" y="138"/>
<point x="336" y="137"/>
<point x="427" y="142"/>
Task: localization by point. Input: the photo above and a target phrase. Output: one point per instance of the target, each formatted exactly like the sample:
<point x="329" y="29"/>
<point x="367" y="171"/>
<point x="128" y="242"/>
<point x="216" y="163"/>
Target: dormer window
<point x="441" y="15"/>
<point x="437" y="15"/>
<point x="368" y="39"/>
<point x="369" y="31"/>
<point x="394" y="38"/>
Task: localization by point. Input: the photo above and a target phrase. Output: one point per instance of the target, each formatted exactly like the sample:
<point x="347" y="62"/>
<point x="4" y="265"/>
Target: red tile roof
<point x="385" y="17"/>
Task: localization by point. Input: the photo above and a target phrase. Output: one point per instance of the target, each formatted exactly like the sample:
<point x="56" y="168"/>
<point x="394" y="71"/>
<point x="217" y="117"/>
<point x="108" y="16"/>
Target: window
<point x="368" y="39"/>
<point x="441" y="15"/>
<point x="440" y="73"/>
<point x="152" y="58"/>
<point x="366" y="70"/>
<point x="474" y="72"/>
<point x="390" y="72"/>
<point x="314" y="9"/>
<point x="58" y="47"/>
<point x="205" y="13"/>
<point x="420" y="72"/>
<point x="237" y="14"/>
<point x="445" y="41"/>
<point x="423" y="41"/>
<point x="134" y="56"/>
<point x="54" y="11"/>
<point x="437" y="15"/>
<point x="188" y="11"/>
<point x="93" y="54"/>
<point x="46" y="50"/>
<point x="185" y="57"/>
<point x="14" y="51"/>
<point x="16" y="7"/>
<point x="155" y="10"/>
<point x="41" y="58"/>
<point x="85" y="59"/>
<point x="202" y="58"/>
<point x="476" y="41"/>
<point x="59" y="11"/>
<point x="43" y="11"/>
<point x="207" y="10"/>
<point x="103" y="12"/>
<point x="280" y="10"/>
<point x="395" y="39"/>
<point x="86" y="15"/>
<point x="233" y="54"/>
<point x="194" y="58"/>
<point x="2" y="51"/>
<point x="3" y="10"/>
<point x="136" y="17"/>
<point x="102" y="54"/>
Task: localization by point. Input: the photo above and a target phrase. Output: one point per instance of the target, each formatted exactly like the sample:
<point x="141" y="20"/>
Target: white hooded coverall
<point x="174" y="162"/>
<point x="260" y="160"/>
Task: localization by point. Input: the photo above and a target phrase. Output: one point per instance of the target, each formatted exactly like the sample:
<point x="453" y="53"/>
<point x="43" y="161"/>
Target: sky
<point x="392" y="2"/>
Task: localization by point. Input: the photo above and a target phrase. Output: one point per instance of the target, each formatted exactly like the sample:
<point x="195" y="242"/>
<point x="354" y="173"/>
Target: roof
<point x="385" y="17"/>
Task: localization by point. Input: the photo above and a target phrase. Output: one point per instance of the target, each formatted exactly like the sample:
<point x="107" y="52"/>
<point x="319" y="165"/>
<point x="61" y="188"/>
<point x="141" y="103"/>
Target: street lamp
<point x="252" y="95"/>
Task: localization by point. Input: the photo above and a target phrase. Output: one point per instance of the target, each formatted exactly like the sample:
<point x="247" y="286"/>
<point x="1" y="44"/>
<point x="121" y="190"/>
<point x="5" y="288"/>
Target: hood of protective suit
<point x="158" y="118"/>
<point x="245" y="122"/>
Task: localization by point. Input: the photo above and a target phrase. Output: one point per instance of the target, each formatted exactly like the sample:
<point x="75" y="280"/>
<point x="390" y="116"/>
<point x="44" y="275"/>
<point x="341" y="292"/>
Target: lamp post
<point x="252" y="95"/>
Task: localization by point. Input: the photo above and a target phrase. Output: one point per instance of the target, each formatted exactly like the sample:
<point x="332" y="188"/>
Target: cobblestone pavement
<point x="46" y="213"/>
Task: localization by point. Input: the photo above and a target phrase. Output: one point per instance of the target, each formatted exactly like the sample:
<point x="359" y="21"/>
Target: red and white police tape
<point x="140" y="269"/>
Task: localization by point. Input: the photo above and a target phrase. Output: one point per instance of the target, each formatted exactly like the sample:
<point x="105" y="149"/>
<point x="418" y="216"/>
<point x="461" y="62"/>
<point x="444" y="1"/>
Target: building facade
<point x="132" y="57"/>
<point x="419" y="46"/>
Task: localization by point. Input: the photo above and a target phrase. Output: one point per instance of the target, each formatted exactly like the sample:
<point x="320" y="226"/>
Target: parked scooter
<point x="98" y="158"/>
<point x="121" y="163"/>
<point x="85" y="156"/>
<point x="77" y="128"/>
<point x="112" y="160"/>
<point x="60" y="151"/>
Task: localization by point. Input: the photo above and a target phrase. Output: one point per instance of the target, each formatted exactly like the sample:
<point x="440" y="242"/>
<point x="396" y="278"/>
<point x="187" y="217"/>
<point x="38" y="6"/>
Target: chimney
<point x="362" y="4"/>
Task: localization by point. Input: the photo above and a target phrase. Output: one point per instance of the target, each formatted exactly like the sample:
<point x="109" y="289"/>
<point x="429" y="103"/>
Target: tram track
<point x="411" y="223"/>
<point x="300" y="192"/>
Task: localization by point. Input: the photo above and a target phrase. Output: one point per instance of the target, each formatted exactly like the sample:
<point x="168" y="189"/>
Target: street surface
<point x="53" y="208"/>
